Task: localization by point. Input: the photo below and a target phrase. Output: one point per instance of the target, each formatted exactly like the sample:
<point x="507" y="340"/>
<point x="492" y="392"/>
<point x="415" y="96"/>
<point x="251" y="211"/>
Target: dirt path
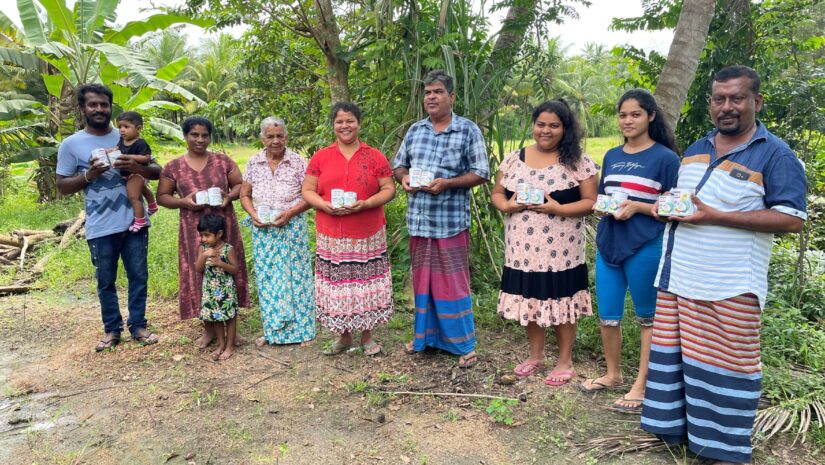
<point x="61" y="403"/>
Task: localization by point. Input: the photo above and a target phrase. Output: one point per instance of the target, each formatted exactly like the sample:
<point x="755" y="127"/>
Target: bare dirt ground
<point x="61" y="403"/>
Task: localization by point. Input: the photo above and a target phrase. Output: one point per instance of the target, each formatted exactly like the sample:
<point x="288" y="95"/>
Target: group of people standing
<point x="698" y="282"/>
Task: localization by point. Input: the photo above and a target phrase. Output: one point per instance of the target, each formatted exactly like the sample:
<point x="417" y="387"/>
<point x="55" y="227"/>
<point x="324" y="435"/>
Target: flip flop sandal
<point x="372" y="348"/>
<point x="109" y="341"/>
<point x="599" y="386"/>
<point x="408" y="349"/>
<point x="564" y="375"/>
<point x="466" y="361"/>
<point x="148" y="338"/>
<point x="337" y="348"/>
<point x="528" y="368"/>
<point x="634" y="410"/>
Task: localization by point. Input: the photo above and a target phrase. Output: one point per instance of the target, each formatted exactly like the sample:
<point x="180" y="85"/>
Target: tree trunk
<point x="513" y="28"/>
<point x="508" y="44"/>
<point x="326" y="34"/>
<point x="683" y="57"/>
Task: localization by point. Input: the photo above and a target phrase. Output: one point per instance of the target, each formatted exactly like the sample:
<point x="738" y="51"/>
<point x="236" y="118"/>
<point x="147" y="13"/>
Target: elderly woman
<point x="353" y="285"/>
<point x="271" y="194"/>
<point x="195" y="171"/>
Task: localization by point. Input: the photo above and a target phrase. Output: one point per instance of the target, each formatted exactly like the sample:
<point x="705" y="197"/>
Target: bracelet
<point x="86" y="178"/>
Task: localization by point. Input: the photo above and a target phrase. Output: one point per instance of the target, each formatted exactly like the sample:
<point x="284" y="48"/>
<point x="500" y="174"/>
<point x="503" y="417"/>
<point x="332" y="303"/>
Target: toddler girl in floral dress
<point x="218" y="262"/>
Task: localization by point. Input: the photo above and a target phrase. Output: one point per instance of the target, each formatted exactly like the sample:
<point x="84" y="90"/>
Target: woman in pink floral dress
<point x="544" y="281"/>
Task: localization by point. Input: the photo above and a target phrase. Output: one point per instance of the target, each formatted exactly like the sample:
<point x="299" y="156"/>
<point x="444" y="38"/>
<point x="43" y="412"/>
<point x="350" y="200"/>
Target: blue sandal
<point x="337" y="348"/>
<point x="372" y="348"/>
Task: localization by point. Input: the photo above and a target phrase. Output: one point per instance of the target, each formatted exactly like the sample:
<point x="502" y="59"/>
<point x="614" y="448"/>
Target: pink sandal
<point x="528" y="368"/>
<point x="564" y="377"/>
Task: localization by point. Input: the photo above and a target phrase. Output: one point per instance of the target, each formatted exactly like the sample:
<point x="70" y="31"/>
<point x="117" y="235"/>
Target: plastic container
<point x="667" y="205"/>
<point x="202" y="198"/>
<point x="350" y="198"/>
<point x="523" y="193"/>
<point x="114" y="155"/>
<point x="683" y="205"/>
<point x="536" y="196"/>
<point x="602" y="203"/>
<point x="215" y="196"/>
<point x="616" y="199"/>
<point x="101" y="156"/>
<point x="262" y="211"/>
<point x="337" y="198"/>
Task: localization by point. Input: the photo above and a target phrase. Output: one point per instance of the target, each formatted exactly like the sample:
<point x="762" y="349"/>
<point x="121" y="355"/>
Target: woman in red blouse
<point x="353" y="285"/>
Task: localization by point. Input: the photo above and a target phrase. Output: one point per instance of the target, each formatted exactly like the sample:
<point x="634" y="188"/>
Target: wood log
<point x="35" y="238"/>
<point x="10" y="240"/>
<point x="15" y="289"/>
<point x="32" y="232"/>
<point x="5" y="261"/>
<point x="13" y="253"/>
<point x="70" y="232"/>
<point x="23" y="251"/>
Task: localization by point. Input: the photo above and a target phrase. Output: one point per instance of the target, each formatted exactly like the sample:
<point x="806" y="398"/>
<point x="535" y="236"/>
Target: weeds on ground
<point x="501" y="411"/>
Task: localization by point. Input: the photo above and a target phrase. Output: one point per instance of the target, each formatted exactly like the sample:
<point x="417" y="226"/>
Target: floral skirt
<point x="353" y="284"/>
<point x="283" y="273"/>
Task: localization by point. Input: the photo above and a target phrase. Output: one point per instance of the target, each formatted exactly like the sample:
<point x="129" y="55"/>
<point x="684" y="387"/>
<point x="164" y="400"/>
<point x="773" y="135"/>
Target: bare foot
<point x="261" y="341"/>
<point x="226" y="354"/>
<point x="204" y="341"/>
<point x="308" y="343"/>
<point x="216" y="354"/>
<point x="240" y="341"/>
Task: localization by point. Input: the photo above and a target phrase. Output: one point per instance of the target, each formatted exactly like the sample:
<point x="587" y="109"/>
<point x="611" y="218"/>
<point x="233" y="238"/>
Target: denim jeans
<point x="132" y="248"/>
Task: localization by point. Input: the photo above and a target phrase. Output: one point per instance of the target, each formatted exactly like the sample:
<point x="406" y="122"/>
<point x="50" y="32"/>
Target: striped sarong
<point x="441" y="284"/>
<point x="705" y="374"/>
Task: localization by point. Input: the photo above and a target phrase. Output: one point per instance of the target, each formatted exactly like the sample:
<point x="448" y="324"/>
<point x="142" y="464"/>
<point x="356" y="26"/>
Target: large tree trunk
<point x="505" y="51"/>
<point x="513" y="28"/>
<point x="683" y="57"/>
<point x="326" y="33"/>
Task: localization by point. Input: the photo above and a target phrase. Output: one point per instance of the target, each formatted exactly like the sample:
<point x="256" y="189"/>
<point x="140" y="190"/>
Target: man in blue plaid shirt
<point x="452" y="149"/>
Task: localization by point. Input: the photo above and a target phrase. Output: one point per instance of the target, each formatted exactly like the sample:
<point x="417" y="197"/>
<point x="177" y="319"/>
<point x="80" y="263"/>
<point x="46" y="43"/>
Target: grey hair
<point x="439" y="75"/>
<point x="273" y="121"/>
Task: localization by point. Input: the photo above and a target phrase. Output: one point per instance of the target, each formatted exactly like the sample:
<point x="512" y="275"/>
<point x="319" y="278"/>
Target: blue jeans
<point x="132" y="248"/>
<point x="638" y="273"/>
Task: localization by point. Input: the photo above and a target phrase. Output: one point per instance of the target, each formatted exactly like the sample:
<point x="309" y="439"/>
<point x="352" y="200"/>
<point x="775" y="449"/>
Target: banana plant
<point x="74" y="46"/>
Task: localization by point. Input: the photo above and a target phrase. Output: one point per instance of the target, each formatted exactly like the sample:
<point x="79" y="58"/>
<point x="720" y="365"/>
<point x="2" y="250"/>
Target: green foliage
<point x="501" y="411"/>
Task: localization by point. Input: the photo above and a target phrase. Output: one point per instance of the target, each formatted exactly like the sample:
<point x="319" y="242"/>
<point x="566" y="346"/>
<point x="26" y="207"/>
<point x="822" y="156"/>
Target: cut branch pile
<point x="18" y="245"/>
<point x="620" y="444"/>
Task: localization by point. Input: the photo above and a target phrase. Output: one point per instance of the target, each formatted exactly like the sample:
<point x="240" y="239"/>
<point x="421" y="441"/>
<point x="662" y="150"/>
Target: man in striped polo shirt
<point x="705" y="371"/>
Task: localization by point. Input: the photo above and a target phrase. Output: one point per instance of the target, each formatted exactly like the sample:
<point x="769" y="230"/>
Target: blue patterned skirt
<point x="283" y="273"/>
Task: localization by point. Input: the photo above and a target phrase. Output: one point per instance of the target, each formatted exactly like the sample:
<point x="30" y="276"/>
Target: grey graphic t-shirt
<point x="108" y="210"/>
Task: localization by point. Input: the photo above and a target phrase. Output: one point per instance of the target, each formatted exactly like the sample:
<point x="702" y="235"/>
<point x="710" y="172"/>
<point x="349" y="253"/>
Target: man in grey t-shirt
<point x="108" y="213"/>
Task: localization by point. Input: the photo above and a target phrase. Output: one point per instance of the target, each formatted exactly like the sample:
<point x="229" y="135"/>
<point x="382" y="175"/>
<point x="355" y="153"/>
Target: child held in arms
<point x="218" y="262"/>
<point x="130" y="123"/>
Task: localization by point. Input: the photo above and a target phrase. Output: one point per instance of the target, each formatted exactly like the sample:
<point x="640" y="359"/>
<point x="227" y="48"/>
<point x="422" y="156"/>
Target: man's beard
<point x="94" y="124"/>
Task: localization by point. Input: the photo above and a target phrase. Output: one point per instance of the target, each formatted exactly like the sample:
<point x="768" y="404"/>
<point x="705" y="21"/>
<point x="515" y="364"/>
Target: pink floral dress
<point x="545" y="275"/>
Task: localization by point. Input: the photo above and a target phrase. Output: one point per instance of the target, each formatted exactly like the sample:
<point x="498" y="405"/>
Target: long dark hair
<point x="658" y="129"/>
<point x="570" y="150"/>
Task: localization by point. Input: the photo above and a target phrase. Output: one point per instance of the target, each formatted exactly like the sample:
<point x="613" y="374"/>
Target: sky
<point x="592" y="25"/>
